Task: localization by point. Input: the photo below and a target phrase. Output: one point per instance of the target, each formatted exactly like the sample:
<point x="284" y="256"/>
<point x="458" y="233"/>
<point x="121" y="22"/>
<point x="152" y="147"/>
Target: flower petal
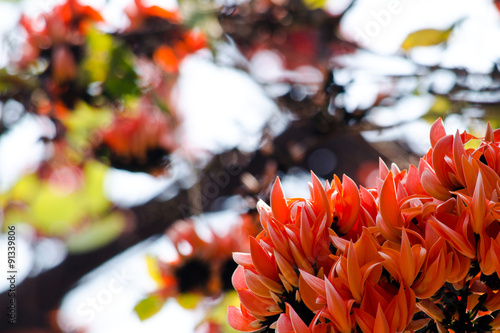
<point x="238" y="321"/>
<point x="437" y="131"/>
<point x="262" y="261"/>
<point x="278" y="202"/>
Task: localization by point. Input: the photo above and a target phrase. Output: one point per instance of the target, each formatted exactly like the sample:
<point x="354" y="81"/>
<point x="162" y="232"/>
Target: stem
<point x="464" y="323"/>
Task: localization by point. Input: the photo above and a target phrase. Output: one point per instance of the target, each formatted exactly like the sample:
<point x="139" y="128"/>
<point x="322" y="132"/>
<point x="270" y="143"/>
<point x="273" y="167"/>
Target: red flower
<point x="430" y="233"/>
<point x="138" y="13"/>
<point x="137" y="137"/>
<point x="159" y="34"/>
<point x="168" y="57"/>
<point x="65" y="24"/>
<point x="202" y="267"/>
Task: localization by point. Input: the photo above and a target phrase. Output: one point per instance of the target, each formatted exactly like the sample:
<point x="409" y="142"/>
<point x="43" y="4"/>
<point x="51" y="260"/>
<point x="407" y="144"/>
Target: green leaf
<point x="441" y="108"/>
<point x="13" y="82"/>
<point x="99" y="47"/>
<point x="97" y="234"/>
<point x="314" y="4"/>
<point x="154" y="270"/>
<point x="426" y="37"/>
<point x="92" y="195"/>
<point x="16" y="215"/>
<point x="82" y="124"/>
<point x="122" y="78"/>
<point x="188" y="300"/>
<point x="26" y="189"/>
<point x="217" y="313"/>
<point x="149" y="306"/>
<point x="55" y="212"/>
<point x="472" y="144"/>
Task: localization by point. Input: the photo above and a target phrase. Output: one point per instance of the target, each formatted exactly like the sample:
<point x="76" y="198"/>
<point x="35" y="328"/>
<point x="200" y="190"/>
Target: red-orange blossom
<point x="380" y="259"/>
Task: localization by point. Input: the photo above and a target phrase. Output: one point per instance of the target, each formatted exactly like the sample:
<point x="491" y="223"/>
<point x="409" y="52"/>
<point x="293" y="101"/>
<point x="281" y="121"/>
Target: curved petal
<point x="319" y="198"/>
<point x="278" y="202"/>
<point x="240" y="322"/>
<point x="458" y="153"/>
<point x="454" y="238"/>
<point x="389" y="208"/>
<point x="262" y="261"/>
<point x="338" y="308"/>
<point x="238" y="278"/>
<point x="437" y="131"/>
<point x="243" y="259"/>
<point x="261" y="285"/>
<point x="350" y="205"/>
<point x="433" y="186"/>
<point x="284" y="324"/>
<point x="317" y="284"/>
<point x="298" y="325"/>
<point x="256" y="305"/>
<point x="354" y="274"/>
<point x="381" y="325"/>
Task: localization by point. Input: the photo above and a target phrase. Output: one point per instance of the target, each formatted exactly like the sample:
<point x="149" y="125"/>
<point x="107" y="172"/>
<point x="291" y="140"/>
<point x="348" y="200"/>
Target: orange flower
<point x="385" y="312"/>
<point x="449" y="168"/>
<point x="290" y="322"/>
<point x="242" y="320"/>
<point x="489" y="254"/>
<point x="433" y="272"/>
<point x="260" y="299"/>
<point x="359" y="265"/>
<point x="138" y="13"/>
<point x="405" y="263"/>
<point x="479" y="207"/>
<point x="137" y="137"/>
<point x="455" y="230"/>
<point x="338" y="309"/>
<point x="396" y="207"/>
<point x="203" y="266"/>
<point x="431" y="309"/>
<point x="419" y="234"/>
<point x="295" y="239"/>
<point x="159" y="34"/>
<point x="447" y="153"/>
<point x="297" y="229"/>
<point x="65" y="24"/>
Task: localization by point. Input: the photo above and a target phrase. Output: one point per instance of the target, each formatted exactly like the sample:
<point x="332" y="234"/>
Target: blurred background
<point x="136" y="137"/>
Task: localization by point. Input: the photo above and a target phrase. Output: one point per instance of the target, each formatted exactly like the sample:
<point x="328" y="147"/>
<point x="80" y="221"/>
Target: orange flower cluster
<point x="63" y="27"/>
<point x="418" y="253"/>
<point x="140" y="139"/>
<point x="159" y="34"/>
<point x="203" y="266"/>
<point x="57" y="45"/>
<point x="53" y="51"/>
<point x="73" y="62"/>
